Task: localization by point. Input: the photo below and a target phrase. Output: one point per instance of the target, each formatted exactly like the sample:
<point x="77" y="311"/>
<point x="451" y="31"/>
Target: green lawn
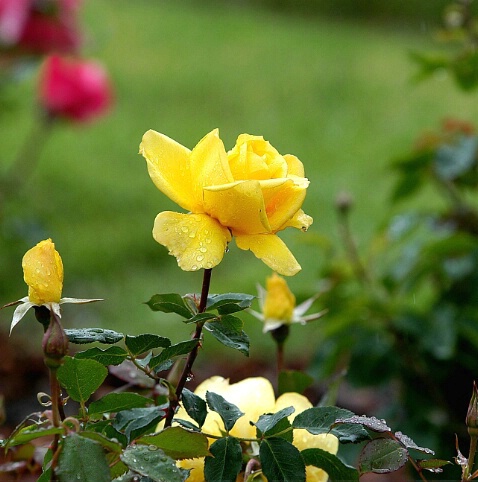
<point x="337" y="95"/>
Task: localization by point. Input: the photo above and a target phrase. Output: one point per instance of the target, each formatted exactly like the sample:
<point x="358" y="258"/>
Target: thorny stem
<point x="174" y="403"/>
<point x="417" y="468"/>
<point x="472" y="452"/>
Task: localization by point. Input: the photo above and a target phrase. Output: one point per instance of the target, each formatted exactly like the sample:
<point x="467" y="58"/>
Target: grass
<point x="336" y="94"/>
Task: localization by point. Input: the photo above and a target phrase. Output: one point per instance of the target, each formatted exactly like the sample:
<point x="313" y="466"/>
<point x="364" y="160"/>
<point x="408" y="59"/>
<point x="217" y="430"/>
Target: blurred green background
<point x="334" y="90"/>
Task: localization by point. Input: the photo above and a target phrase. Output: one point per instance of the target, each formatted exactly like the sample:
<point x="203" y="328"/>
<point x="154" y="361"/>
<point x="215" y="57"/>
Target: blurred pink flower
<point x="74" y="89"/>
<point x="39" y="26"/>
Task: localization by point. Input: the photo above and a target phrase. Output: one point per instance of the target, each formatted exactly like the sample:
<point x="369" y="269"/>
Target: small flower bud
<point x="344" y="202"/>
<point x="55" y="343"/>
<point x="472" y="414"/>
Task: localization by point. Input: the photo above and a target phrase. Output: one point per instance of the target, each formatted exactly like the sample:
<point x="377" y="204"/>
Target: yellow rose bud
<point x="43" y="273"/>
<point x="279" y="302"/>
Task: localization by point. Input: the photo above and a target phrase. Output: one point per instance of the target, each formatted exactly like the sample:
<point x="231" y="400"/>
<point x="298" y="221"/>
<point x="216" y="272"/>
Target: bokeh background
<point x="331" y="82"/>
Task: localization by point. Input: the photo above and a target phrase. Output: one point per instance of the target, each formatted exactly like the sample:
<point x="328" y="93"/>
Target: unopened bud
<point x="472" y="414"/>
<point x="55" y="343"/>
<point x="344" y="202"/>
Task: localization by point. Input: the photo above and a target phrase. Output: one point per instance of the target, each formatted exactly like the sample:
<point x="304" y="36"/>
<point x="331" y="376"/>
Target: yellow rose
<point x="250" y="193"/>
<point x="43" y="273"/>
<point x="255" y="397"/>
<point x="279" y="301"/>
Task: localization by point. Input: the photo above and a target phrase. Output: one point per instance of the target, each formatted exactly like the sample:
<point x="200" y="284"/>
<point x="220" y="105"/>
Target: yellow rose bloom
<point x="255" y="397"/>
<point x="250" y="193"/>
<point x="279" y="302"/>
<point x="43" y="273"/>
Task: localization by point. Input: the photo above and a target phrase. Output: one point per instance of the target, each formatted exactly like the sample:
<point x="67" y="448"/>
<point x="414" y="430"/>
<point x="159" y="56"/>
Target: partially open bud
<point x="472" y="414"/>
<point x="279" y="302"/>
<point x="55" y="343"/>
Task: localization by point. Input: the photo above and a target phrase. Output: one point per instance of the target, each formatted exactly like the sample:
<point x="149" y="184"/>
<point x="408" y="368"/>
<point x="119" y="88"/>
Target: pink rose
<point x="74" y="89"/>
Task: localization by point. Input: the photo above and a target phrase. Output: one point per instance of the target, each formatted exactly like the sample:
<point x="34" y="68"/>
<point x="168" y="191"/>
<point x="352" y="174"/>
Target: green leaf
<point x="229" y="412"/>
<point x="170" y="303"/>
<point x="46" y="467"/>
<point x="408" y="443"/>
<point x="320" y="420"/>
<point x="372" y="423"/>
<point x="281" y="461"/>
<point x="143" y="343"/>
<point x="114" y="355"/>
<point x="116" y="402"/>
<point x="178" y="443"/>
<point x="195" y="406"/>
<point x="433" y="465"/>
<point x="32" y="432"/>
<point x="181" y="348"/>
<point x="109" y="444"/>
<point x="138" y="421"/>
<point x="229" y="302"/>
<point x="90" y="335"/>
<point x="154" y="464"/>
<point x="331" y="464"/>
<point x="382" y="456"/>
<point x="294" y="381"/>
<point x="454" y="160"/>
<point x="228" y="330"/>
<point x="82" y="459"/>
<point x="268" y="422"/>
<point x="201" y="317"/>
<point x="226" y="461"/>
<point x="81" y="378"/>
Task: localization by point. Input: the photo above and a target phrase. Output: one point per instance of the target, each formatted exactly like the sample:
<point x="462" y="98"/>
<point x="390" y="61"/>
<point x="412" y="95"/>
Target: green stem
<point x="186" y="373"/>
<point x="56" y="417"/>
<point x="472" y="453"/>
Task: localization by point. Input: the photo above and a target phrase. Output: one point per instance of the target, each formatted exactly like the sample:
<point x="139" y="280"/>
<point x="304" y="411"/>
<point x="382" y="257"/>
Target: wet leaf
<point x="382" y="456"/>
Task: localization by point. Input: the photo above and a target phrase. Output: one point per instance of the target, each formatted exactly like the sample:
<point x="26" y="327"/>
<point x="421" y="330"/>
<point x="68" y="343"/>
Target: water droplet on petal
<point x="184" y="229"/>
<point x="199" y="258"/>
<point x="203" y="249"/>
<point x="194" y="267"/>
<point x="208" y="240"/>
<point x="192" y="235"/>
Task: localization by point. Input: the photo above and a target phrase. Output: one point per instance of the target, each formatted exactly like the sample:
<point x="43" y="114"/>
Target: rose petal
<point x="168" y="167"/>
<point x="196" y="240"/>
<point x="272" y="251"/>
<point x="300" y="220"/>
<point x="239" y="205"/>
<point x="294" y="166"/>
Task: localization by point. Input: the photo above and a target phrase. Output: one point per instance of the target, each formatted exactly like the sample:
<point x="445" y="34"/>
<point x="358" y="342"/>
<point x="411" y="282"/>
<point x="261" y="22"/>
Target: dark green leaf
<point x="82" y="459"/>
<point x="294" y="381"/>
<point x="408" y="443"/>
<point x="229" y="302"/>
<point x="111" y="445"/>
<point x="46" y="467"/>
<point x="201" y="317"/>
<point x="172" y="351"/>
<point x="114" y="355"/>
<point x="154" y="464"/>
<point x="381" y="456"/>
<point x="227" y="411"/>
<point x="195" y="406"/>
<point x="116" y="402"/>
<point x="331" y="464"/>
<point x="320" y="420"/>
<point x="90" y="335"/>
<point x="138" y="421"/>
<point x="267" y="422"/>
<point x="143" y="343"/>
<point x="371" y="423"/>
<point x="170" y="303"/>
<point x="433" y="465"/>
<point x="226" y="461"/>
<point x="81" y="378"/>
<point x="228" y="330"/>
<point x="281" y="461"/>
<point x="178" y="443"/>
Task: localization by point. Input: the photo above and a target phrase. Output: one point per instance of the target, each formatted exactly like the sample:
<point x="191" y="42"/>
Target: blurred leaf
<point x="281" y="461"/>
<point x="114" y="355"/>
<point x="178" y="443"/>
<point x="227" y="411"/>
<point x="89" y="335"/>
<point x="143" y="343"/>
<point x="465" y="68"/>
<point x="138" y="421"/>
<point x="454" y="160"/>
<point x="228" y="330"/>
<point x="318" y="420"/>
<point x="229" y="302"/>
<point x="129" y="373"/>
<point x="170" y="303"/>
<point x="226" y="461"/>
<point x="172" y="351"/>
<point x="294" y="381"/>
<point x="335" y="468"/>
<point x="116" y="402"/>
<point x="382" y="456"/>
<point x="428" y="64"/>
<point x="81" y="378"/>
<point x="82" y="459"/>
<point x="195" y="406"/>
<point x="46" y="467"/>
<point x="153" y="464"/>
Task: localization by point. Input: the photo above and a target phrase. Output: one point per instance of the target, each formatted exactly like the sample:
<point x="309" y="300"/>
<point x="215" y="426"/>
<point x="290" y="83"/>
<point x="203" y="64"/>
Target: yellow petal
<point x="196" y="240"/>
<point x="272" y="251"/>
<point x="294" y="166"/>
<point x="300" y="220"/>
<point x="168" y="167"/>
<point x="208" y="162"/>
<point x="279" y="302"/>
<point x="239" y="206"/>
<point x="196" y="466"/>
<point x="43" y="273"/>
<point x="284" y="200"/>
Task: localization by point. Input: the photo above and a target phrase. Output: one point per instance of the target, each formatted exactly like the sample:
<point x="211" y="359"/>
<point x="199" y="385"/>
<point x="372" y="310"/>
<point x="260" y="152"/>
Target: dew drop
<point x="208" y="240"/>
<point x="194" y="267"/>
<point x="206" y="232"/>
<point x="203" y="249"/>
<point x="208" y="265"/>
<point x="199" y="258"/>
<point x="192" y="235"/>
<point x="227" y="249"/>
<point x="184" y="229"/>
